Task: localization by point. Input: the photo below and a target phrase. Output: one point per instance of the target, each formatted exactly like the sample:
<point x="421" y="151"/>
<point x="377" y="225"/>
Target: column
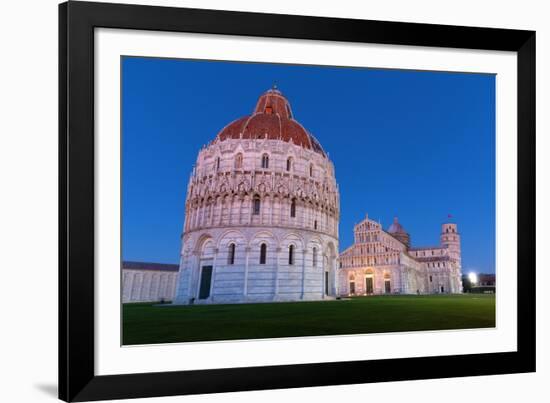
<point x="323" y="258"/>
<point x="251" y="208"/>
<point x="277" y="253"/>
<point x="193" y="291"/>
<point x="404" y="286"/>
<point x="230" y="215"/>
<point x="304" y="253"/>
<point x="241" y="203"/>
<point x="193" y="223"/>
<point x="245" y="283"/>
<point x="212" y="209"/>
<point x="156" y="292"/>
<point x="131" y="276"/>
<point x="142" y="286"/>
<point x="198" y="216"/>
<point x="147" y="284"/>
<point x="202" y="217"/>
<point x="214" y="264"/>
<point x="222" y="205"/>
<point x="284" y="212"/>
<point x="272" y="212"/>
<point x="336" y="279"/>
<point x="263" y="207"/>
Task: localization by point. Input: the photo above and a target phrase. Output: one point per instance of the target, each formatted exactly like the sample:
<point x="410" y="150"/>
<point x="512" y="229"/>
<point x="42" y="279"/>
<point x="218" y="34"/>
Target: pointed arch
<point x="263" y="253"/>
<point x="256" y="204"/>
<point x="265" y="161"/>
<point x="291" y="252"/>
<point x="239" y="160"/>
<point x="231" y="253"/>
<point x="289" y="164"/>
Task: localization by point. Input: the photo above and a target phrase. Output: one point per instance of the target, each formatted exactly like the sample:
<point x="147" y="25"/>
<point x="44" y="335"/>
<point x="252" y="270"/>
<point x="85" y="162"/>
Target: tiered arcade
<point x="261" y="214"/>
<point x="383" y="262"/>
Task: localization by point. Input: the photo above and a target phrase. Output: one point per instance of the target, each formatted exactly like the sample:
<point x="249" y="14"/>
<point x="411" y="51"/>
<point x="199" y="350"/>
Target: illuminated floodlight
<point x="473" y="278"/>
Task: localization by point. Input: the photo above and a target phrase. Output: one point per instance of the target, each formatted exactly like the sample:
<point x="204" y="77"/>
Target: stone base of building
<point x="255" y="299"/>
<point x="378" y="294"/>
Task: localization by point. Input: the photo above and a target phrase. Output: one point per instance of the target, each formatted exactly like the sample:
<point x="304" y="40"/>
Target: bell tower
<point x="450" y="238"/>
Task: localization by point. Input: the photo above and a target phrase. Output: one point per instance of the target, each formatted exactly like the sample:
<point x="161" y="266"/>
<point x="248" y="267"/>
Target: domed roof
<point x="272" y="119"/>
<point x="396" y="228"/>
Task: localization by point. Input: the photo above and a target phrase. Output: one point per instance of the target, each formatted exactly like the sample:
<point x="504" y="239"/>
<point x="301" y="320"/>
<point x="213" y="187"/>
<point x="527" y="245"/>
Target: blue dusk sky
<point x="417" y="145"/>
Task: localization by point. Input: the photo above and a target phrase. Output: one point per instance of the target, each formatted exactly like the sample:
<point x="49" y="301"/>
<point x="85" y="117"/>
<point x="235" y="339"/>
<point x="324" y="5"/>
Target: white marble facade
<point x="261" y="224"/>
<point x="383" y="262"/>
<point x="261" y="214"/>
<point x="148" y="282"/>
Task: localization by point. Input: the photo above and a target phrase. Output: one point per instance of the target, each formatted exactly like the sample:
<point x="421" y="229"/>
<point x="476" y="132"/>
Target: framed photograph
<point x="258" y="201"/>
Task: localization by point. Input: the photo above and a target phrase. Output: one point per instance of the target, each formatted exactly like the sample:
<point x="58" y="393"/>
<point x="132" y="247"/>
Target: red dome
<point x="271" y="119"/>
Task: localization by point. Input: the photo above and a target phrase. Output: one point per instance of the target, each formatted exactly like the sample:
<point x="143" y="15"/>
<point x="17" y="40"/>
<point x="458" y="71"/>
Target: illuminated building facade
<point x="261" y="213"/>
<point x="383" y="262"/>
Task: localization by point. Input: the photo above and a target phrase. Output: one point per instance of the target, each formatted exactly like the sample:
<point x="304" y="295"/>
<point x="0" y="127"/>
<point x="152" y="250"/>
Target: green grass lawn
<point x="145" y="323"/>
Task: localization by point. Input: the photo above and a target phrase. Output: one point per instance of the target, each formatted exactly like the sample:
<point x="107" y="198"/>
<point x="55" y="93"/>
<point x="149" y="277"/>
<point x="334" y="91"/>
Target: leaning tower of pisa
<point x="450" y="238"/>
<point x="261" y="213"/>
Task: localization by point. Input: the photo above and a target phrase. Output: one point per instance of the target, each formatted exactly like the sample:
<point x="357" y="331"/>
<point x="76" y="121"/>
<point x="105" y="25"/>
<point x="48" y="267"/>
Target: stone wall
<point x="376" y="254"/>
<point x="222" y="192"/>
<point x="245" y="278"/>
<point x="250" y="193"/>
<point x="148" y="285"/>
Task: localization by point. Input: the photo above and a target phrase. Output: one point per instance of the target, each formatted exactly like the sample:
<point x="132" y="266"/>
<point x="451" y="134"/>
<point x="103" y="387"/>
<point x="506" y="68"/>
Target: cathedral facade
<point x="383" y="262"/>
<point x="261" y="213"/>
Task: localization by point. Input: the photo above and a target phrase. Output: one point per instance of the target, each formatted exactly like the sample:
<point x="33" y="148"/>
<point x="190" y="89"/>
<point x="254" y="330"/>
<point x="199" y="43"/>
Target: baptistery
<point x="261" y="213"/>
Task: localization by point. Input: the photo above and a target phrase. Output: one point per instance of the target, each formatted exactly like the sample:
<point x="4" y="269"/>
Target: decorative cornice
<point x="260" y="226"/>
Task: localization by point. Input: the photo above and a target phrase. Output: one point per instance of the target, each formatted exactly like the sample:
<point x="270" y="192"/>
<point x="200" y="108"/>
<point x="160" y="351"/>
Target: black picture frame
<point x="77" y="379"/>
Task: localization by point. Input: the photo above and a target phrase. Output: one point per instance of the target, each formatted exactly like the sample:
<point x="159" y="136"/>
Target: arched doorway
<point x="352" y="284"/>
<point x="387" y="283"/>
<point x="203" y="283"/>
<point x="369" y="282"/>
<point x="206" y="282"/>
